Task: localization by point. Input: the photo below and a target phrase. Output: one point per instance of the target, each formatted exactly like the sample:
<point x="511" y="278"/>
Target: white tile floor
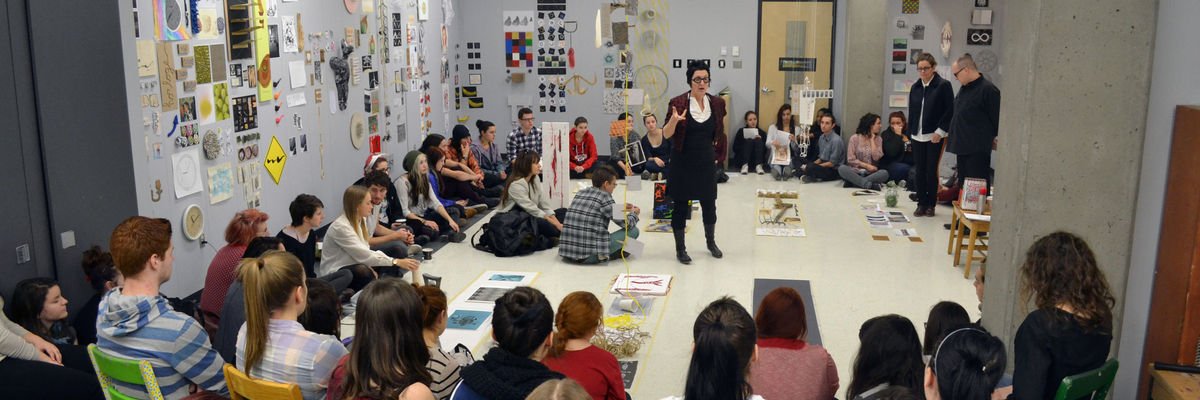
<point x="853" y="277"/>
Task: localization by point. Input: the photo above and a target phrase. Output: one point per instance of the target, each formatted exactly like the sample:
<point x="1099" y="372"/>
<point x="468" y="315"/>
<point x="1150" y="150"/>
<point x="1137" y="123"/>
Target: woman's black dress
<point x="690" y="174"/>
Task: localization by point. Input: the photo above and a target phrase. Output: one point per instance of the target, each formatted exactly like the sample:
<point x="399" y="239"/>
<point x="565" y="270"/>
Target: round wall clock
<point x="193" y="222"/>
<point x="358" y="130"/>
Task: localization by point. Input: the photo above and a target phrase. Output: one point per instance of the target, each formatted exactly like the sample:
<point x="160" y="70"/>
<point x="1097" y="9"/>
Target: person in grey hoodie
<point x="136" y="323"/>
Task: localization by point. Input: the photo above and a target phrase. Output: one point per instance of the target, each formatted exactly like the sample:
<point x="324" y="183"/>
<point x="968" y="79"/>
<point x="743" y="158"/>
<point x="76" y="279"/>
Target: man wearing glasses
<point x="976" y="121"/>
<point x="525" y="137"/>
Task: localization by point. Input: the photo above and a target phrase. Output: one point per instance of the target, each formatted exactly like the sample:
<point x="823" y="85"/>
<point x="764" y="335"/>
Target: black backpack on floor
<point x="511" y="233"/>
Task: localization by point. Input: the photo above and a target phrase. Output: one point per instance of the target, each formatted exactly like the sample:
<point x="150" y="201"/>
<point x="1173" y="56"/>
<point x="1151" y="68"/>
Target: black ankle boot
<point x="709" y="235"/>
<point x="680" y="248"/>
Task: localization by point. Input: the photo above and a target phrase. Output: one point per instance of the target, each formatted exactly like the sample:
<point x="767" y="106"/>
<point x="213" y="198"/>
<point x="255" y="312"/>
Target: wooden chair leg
<point x="958" y="244"/>
<point x="953" y="228"/>
<point x="970" y="253"/>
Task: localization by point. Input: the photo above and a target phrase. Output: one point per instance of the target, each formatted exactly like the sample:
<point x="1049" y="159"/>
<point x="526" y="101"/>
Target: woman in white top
<point x="346" y="247"/>
<point x="780" y="138"/>
<point x="522" y="192"/>
<point x="724" y="345"/>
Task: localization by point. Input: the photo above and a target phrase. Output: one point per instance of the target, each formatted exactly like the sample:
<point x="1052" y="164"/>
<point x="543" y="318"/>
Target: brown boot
<point x="470" y="212"/>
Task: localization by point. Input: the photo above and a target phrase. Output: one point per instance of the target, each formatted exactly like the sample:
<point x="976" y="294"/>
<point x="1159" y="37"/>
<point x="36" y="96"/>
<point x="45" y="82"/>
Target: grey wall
<point x="305" y="172"/>
<point x="934" y="14"/>
<point x="867" y="35"/>
<point x="1072" y="123"/>
<point x="1174" y="83"/>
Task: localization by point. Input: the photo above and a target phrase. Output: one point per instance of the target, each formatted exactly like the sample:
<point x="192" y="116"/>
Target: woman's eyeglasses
<point x="701" y="80"/>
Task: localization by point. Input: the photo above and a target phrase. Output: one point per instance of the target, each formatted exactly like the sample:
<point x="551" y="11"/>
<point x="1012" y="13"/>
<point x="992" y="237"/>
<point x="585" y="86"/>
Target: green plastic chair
<point x="1093" y="384"/>
<point x="128" y="371"/>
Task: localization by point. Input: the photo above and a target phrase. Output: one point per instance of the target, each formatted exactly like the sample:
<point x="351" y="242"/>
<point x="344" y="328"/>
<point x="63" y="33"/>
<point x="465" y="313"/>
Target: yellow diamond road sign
<point x="275" y="160"/>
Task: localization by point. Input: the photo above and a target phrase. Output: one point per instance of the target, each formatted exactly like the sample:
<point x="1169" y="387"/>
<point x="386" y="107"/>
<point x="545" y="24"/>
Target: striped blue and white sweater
<point x="146" y="328"/>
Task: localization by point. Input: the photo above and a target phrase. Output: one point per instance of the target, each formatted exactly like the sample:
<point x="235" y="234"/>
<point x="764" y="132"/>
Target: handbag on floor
<point x="510" y="233"/>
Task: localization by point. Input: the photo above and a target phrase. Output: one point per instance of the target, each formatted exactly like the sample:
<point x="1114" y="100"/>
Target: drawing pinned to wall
<point x="903" y="85"/>
<point x="475" y="79"/>
<point x="898" y="101"/>
<point x="203" y="67"/>
<point x="341" y="73"/>
<point x="979" y="37"/>
<point x="205" y="105"/>
<point x="899" y="68"/>
<point x="207" y="19"/>
<point x="147" y="59"/>
<point x="220" y="183"/>
<point x="911" y="6"/>
<point x="221" y="101"/>
<point x="169" y="20"/>
<point x="519" y="21"/>
<point x="185" y="168"/>
<point x="900" y="55"/>
<point x="913" y="54"/>
<point x="422" y="9"/>
<point x="918" y="32"/>
<point x="290" y="43"/>
<point x="620" y="33"/>
<point x="614" y="102"/>
<point x="272" y="7"/>
<point x="899" y="44"/>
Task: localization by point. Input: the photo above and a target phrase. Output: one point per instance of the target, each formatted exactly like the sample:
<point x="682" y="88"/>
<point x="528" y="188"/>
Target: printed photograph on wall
<point x="273" y="39"/>
<point x="899" y="68"/>
<point x="913" y="54"/>
<point x="899" y="44"/>
<point x="187" y="109"/>
<point x="900" y="56"/>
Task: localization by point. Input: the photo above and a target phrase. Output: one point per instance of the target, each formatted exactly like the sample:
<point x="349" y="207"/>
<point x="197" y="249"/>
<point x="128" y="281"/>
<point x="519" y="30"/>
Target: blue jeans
<point x="655" y="169"/>
<point x="898" y="172"/>
<point x="615" y="243"/>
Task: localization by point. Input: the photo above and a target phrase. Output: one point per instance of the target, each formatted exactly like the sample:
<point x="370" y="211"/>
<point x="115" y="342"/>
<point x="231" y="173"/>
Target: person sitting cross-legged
<point x="585" y="237"/>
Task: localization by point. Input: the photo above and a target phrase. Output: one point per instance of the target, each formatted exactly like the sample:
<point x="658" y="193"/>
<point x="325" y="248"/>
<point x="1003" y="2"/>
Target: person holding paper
<point x="657" y="148"/>
<point x="585" y="238"/>
<point x="780" y="139"/>
<point x="696" y="119"/>
<point x="748" y="145"/>
<point x="617" y="143"/>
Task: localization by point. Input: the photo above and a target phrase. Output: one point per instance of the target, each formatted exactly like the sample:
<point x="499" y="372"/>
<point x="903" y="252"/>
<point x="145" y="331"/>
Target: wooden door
<point x="797" y="36"/>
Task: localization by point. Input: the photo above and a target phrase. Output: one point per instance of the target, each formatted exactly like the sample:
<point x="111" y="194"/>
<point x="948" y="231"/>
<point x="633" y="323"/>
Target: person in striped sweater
<point x="136" y="323"/>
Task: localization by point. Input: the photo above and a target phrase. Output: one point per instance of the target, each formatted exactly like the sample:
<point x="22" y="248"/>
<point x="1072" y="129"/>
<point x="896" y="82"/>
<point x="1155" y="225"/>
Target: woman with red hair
<point x="788" y="367"/>
<point x="573" y="355"/>
<point x="244" y="227"/>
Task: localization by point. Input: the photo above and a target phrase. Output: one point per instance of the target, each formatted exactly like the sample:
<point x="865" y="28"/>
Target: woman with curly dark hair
<point x="1071" y="330"/>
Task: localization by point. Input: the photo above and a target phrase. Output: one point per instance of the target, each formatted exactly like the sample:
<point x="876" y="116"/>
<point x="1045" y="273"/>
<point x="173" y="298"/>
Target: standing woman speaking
<point x="696" y="119"/>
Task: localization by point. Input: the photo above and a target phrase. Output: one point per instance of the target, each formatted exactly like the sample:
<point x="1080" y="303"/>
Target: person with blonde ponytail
<point x="573" y="355"/>
<point x="346" y="246"/>
<point x="272" y="345"/>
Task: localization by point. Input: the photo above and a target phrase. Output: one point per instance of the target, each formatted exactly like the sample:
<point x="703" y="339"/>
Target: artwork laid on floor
<point x="883" y="222"/>
<point x="467" y="319"/>
<point x="507" y="278"/>
<point x="778" y="214"/>
<point x="487" y="294"/>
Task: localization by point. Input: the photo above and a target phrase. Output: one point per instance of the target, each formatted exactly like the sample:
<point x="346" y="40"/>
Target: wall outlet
<point x="737" y="64"/>
<point x="737" y="51"/>
<point x="23" y="254"/>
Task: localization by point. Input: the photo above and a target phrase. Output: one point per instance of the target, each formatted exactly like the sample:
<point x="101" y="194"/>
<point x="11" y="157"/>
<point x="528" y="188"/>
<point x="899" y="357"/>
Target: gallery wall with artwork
<point x="917" y="26"/>
<point x="248" y="103"/>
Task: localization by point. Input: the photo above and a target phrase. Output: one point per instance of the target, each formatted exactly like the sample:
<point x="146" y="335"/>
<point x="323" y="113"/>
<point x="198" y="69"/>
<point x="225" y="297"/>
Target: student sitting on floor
<point x="749" y="152"/>
<point x="458" y="180"/>
<point x="323" y="310"/>
<point x="574" y="355"/>
<point x="39" y="306"/>
<point x="616" y="155"/>
<point x="136" y="323"/>
<point x="1070" y="332"/>
<point x="272" y="345"/>
<point x="781" y="139"/>
<point x="815" y="133"/>
<point x="244" y="227"/>
<point x="423" y="209"/>
<point x="487" y="152"/>
<point x="32" y="368"/>
<point x="723" y="347"/>
<point x="346" y="245"/>
<point x="387" y="322"/>
<point x="789" y="367"/>
<point x="832" y="155"/>
<point x="379" y="162"/>
<point x="103" y="275"/>
<point x="863" y="154"/>
<point x="300" y="239"/>
<point x="585" y="237"/>
<point x="459" y="150"/>
<point x="523" y="327"/>
<point x="443" y="368"/>
<point x="897" y="149"/>
<point x="583" y="149"/>
<point x="390" y="236"/>
<point x="943" y="318"/>
<point x="966" y="365"/>
<point x="657" y="149"/>
<point x="889" y="355"/>
<point x="523" y="193"/>
<point x="454" y="193"/>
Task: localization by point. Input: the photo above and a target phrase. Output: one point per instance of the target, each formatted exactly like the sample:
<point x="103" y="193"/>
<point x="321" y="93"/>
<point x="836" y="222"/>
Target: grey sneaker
<point x="759" y="169"/>
<point x="807" y="179"/>
<point x="645" y="175"/>
<point x="745" y="169"/>
<point x="903" y="184"/>
<point x="414" y="249"/>
<point x="775" y="174"/>
<point x="787" y="173"/>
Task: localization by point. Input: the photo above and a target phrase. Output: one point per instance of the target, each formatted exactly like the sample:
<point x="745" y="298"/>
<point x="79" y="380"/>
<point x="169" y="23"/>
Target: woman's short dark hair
<point x="968" y="363"/>
<point x="580" y="120"/>
<point x="323" y="312"/>
<point x="748" y="114"/>
<point x="305" y="205"/>
<point x="521" y="321"/>
<point x="890" y="353"/>
<point x="696" y="65"/>
<point x="260" y="245"/>
<point x="725" y="336"/>
<point x="943" y="317"/>
<point x="865" y="123"/>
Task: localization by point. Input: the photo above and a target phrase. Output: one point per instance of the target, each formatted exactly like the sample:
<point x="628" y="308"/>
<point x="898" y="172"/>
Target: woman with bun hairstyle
<point x="966" y="365"/>
<point x="523" y="327"/>
<point x="103" y="275"/>
<point x="579" y="316"/>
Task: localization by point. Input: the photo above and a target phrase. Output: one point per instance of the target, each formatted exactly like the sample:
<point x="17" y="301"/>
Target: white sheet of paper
<point x="634" y="247"/>
<point x="296" y="70"/>
<point x="296" y="99"/>
<point x="749" y="133"/>
<point x="633" y="183"/>
<point x="636" y="96"/>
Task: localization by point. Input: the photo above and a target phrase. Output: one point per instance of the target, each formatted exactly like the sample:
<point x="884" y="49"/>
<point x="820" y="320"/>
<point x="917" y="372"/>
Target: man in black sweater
<point x="976" y="121"/>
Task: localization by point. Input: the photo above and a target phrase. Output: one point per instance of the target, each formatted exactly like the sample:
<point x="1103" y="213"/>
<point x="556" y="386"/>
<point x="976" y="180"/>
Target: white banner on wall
<point x="556" y="176"/>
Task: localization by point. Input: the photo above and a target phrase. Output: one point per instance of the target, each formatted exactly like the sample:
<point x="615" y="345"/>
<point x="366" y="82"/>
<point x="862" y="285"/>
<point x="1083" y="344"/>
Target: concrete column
<point x="866" y="36"/>
<point x="1072" y="122"/>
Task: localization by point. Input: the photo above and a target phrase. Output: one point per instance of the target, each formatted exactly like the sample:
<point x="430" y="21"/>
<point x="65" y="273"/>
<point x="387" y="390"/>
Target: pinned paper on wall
<point x="911" y="6"/>
<point x="898" y="101"/>
<point x="296" y="99"/>
<point x="275" y="160"/>
<point x="205" y="105"/>
<point x="423" y="9"/>
<point x="169" y="20"/>
<point x="147" y="58"/>
<point x="903" y="85"/>
<point x="220" y="183"/>
<point x="203" y="67"/>
<point x="185" y="168"/>
<point x="297" y="74"/>
<point x="290" y="42"/>
<point x="217" y="66"/>
<point x="208" y="24"/>
<point x="221" y="100"/>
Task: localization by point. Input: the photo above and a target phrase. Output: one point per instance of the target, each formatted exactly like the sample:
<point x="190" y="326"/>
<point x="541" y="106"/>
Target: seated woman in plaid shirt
<point x="585" y="237"/>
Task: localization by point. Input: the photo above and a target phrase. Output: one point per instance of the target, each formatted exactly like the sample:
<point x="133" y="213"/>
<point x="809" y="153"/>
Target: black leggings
<point x="419" y="228"/>
<point x="545" y="228"/>
<point x="75" y="379"/>
<point x="679" y="219"/>
<point x="926" y="157"/>
<point x="362" y="276"/>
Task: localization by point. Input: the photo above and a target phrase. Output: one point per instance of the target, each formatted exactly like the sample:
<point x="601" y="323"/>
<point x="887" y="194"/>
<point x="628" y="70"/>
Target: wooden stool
<point x="958" y="223"/>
